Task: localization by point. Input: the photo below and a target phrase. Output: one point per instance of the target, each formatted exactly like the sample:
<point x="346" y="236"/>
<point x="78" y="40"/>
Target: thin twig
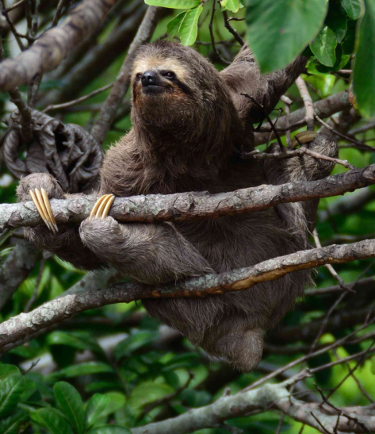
<point x="252" y="99"/>
<point x="78" y="100"/>
<point x="319" y="423"/>
<point x="294" y="153"/>
<point x="165" y="399"/>
<point x="306" y="357"/>
<point x="12" y="26"/>
<point x="58" y="13"/>
<point x="37" y="283"/>
<point x="231" y="29"/>
<point x="308" y="102"/>
<point x="211" y="29"/>
<point x="343" y="136"/>
<point x="25" y="112"/>
<point x="329" y="266"/>
<point x="287" y="103"/>
<point x="14" y="6"/>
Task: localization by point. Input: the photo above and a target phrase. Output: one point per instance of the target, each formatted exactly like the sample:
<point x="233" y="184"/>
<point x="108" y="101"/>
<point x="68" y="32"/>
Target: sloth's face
<point x="161" y="92"/>
<point x="155" y="76"/>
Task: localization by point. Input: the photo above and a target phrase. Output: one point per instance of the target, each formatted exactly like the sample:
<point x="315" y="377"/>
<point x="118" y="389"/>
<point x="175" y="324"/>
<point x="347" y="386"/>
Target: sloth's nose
<point x="149" y="78"/>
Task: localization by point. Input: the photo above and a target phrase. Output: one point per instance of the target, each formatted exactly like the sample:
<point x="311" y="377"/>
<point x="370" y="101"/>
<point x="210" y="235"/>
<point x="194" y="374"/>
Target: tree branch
<point x="274" y="397"/>
<point x="55" y="311"/>
<point x="324" y="108"/>
<point x="191" y="206"/>
<point x="54" y="45"/>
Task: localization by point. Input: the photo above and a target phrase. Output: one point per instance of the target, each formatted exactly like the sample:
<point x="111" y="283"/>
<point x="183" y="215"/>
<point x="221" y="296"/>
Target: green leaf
<point x="174" y="4"/>
<point x="279" y="30"/>
<point x="81" y="341"/>
<point x="51" y="419"/>
<point x="7" y="370"/>
<point x="353" y="8"/>
<point x="147" y="392"/>
<point x="117" y="401"/>
<point x="232" y="5"/>
<point x="364" y="67"/>
<point x="70" y="402"/>
<point x="109" y="429"/>
<point x="95" y="407"/>
<point x="86" y="368"/>
<point x="133" y="343"/>
<point x="336" y="20"/>
<point x="173" y="27"/>
<point x="11" y="424"/>
<point x="324" y="47"/>
<point x="10" y="393"/>
<point x="195" y="398"/>
<point x="189" y="26"/>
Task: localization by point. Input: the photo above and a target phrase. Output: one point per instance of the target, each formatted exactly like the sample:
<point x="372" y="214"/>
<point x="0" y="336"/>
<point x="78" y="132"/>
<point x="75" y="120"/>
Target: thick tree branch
<point x="270" y="397"/>
<point x="55" y="311"/>
<point x="191" y="206"/>
<point x="324" y="108"/>
<point x="92" y="63"/>
<point x="53" y="46"/>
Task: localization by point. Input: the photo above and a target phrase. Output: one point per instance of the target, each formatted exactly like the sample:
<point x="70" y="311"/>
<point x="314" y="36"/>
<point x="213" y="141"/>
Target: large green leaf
<point x="7" y="370"/>
<point x="95" y="407"/>
<point x="279" y="30"/>
<point x="10" y="393"/>
<point x="10" y="425"/>
<point x="231" y="5"/>
<point x="189" y="26"/>
<point x="147" y="392"/>
<point x="70" y="402"/>
<point x="337" y="20"/>
<point x="133" y="343"/>
<point x="364" y="68"/>
<point x="173" y="27"/>
<point x="81" y="341"/>
<point x="174" y="4"/>
<point x="353" y="8"/>
<point x="324" y="47"/>
<point x="117" y="401"/>
<point x="109" y="429"/>
<point x="85" y="368"/>
<point x="52" y="420"/>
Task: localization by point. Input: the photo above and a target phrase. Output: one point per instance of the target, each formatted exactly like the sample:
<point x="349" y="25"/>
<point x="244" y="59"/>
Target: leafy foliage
<point x="112" y="369"/>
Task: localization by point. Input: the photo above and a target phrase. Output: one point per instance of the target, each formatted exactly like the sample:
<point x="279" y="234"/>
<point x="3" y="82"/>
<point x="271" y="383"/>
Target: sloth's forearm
<point x="147" y="253"/>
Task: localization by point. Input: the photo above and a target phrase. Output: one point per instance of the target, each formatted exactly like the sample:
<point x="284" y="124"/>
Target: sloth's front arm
<point x="149" y="253"/>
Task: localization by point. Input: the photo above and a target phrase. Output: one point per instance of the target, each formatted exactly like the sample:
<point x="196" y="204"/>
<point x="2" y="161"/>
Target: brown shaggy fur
<point x="183" y="139"/>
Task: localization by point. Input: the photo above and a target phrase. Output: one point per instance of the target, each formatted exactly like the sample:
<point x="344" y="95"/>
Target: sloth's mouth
<point x="154" y="89"/>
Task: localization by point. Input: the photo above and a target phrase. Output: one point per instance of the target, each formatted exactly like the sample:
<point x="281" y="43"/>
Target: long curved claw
<point x="102" y="206"/>
<point x="41" y="201"/>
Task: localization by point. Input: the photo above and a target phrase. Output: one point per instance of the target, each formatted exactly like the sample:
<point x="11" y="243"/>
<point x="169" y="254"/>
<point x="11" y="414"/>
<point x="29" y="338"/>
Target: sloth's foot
<point x="42" y="203"/>
<point x="102" y="207"/>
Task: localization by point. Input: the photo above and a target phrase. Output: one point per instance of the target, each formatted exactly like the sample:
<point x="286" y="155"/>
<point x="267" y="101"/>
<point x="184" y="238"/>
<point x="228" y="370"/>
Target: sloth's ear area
<point x="243" y="76"/>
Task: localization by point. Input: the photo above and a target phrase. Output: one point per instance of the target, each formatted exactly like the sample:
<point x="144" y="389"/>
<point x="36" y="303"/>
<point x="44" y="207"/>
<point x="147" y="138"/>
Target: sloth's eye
<point x="169" y="74"/>
<point x="138" y="76"/>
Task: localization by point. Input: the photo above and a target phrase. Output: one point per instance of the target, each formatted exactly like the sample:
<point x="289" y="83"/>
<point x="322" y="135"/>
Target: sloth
<point x="191" y="125"/>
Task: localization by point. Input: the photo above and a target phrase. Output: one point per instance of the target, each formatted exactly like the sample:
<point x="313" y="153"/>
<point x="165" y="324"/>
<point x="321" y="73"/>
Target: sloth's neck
<point x="187" y="163"/>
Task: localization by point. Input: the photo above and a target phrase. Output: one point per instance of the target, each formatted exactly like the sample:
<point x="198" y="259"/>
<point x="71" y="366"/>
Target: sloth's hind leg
<point x="237" y="343"/>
